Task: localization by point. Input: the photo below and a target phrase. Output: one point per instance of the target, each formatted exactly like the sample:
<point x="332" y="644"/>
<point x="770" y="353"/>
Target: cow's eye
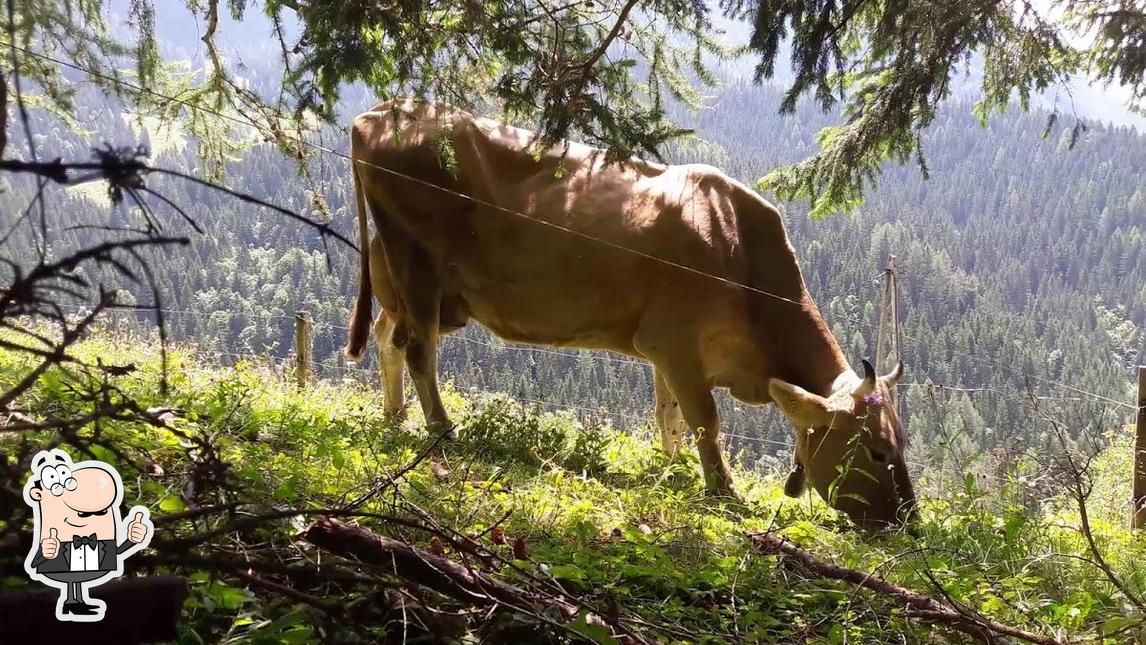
<point x="878" y="457"/>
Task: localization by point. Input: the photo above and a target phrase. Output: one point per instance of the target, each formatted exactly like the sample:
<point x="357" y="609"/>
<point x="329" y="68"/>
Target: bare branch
<point x="924" y="607"/>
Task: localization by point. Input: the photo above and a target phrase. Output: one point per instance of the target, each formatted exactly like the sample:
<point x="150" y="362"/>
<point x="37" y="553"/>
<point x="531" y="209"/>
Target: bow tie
<point x="84" y="540"/>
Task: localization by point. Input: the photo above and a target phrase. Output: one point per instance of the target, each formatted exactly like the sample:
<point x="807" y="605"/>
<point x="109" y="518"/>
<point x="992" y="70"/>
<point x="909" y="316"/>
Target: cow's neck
<point x="796" y="343"/>
<point x="804" y="351"/>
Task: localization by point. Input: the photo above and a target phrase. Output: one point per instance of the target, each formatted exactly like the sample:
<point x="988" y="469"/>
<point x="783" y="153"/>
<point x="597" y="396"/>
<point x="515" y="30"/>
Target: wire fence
<point x="1025" y="395"/>
<point x="778" y="448"/>
<point x="454" y="193"/>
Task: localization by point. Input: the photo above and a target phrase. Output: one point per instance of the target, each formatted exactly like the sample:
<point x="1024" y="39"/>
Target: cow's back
<point x="561" y="247"/>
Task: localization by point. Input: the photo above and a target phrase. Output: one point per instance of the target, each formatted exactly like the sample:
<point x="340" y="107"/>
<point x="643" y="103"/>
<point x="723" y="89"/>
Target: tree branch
<point x="609" y="38"/>
<point x="917" y="604"/>
<point x="440" y="574"/>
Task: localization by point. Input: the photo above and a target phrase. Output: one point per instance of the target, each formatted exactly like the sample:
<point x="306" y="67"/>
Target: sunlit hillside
<point x="246" y="461"/>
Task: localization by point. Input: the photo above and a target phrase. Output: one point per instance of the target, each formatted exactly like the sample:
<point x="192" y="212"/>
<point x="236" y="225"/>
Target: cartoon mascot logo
<point x="78" y="530"/>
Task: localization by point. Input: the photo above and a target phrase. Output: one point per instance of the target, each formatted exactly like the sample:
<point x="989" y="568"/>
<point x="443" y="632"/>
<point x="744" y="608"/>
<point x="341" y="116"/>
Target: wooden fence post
<point x="303" y="325"/>
<point x="1138" y="517"/>
<point x="887" y="335"/>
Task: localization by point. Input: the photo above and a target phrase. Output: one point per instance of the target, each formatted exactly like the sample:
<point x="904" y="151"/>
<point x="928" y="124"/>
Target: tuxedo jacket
<point x="107" y="551"/>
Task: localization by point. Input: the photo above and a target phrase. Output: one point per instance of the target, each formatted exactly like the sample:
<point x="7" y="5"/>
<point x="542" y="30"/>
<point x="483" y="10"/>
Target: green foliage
<point x="1118" y="54"/>
<point x="552" y="66"/>
<point x="585" y="69"/>
<point x="892" y="63"/>
<point x="501" y="430"/>
<point x="1018" y="262"/>
<point x="598" y="71"/>
<point x="78" y="29"/>
<point x="635" y="533"/>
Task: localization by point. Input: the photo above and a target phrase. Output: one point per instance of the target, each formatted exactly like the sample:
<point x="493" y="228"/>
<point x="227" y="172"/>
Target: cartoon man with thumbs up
<point x="76" y="508"/>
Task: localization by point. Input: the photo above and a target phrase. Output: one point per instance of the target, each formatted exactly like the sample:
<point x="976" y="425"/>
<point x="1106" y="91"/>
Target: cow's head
<point x="850" y="446"/>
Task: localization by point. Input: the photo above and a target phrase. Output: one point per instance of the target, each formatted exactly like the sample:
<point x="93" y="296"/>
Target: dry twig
<point x="915" y="604"/>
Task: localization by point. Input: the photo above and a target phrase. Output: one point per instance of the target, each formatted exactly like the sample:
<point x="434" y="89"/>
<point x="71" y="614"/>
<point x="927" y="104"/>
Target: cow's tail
<point x="362" y="316"/>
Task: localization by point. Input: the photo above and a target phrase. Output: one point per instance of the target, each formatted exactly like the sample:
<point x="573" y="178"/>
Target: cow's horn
<point x="893" y="377"/>
<point x="867" y="386"/>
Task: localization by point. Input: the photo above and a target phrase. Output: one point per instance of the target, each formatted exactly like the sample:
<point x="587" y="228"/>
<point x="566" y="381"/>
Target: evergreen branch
<point x="596" y="55"/>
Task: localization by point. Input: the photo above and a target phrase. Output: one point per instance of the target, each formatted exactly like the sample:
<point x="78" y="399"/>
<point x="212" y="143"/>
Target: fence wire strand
<point x="330" y="151"/>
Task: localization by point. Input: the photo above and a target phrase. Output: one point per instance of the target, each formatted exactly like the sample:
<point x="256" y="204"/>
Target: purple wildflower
<point x="873" y="399"/>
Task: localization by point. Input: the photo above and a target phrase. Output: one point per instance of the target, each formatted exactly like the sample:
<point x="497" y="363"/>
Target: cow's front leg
<point x="669" y="418"/>
<point x="699" y="411"/>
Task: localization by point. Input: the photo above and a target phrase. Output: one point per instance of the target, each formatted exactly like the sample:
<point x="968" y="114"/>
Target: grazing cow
<point x="679" y="265"/>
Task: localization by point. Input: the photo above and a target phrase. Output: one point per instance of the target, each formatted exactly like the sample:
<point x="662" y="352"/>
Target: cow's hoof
<point x="442" y="431"/>
<point x="724" y="494"/>
<point x="397" y="417"/>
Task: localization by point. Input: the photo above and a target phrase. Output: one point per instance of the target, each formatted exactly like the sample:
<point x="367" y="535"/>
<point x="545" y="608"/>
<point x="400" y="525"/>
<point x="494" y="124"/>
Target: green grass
<point x="601" y="510"/>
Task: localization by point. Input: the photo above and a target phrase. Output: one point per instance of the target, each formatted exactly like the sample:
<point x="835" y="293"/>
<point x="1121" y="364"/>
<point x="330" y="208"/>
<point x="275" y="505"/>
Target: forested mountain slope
<point x="1020" y="260"/>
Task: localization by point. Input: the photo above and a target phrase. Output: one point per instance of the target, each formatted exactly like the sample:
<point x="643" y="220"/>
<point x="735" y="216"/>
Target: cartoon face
<point x="79" y="540"/>
<point x="75" y="502"/>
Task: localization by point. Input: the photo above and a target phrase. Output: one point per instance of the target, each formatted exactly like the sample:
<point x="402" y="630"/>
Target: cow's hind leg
<point x="391" y="364"/>
<point x="422" y="359"/>
<point x="669" y="418"/>
<point x="417" y="329"/>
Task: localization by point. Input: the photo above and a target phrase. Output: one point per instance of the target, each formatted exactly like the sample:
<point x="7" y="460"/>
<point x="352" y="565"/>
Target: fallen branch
<point x="426" y="569"/>
<point x="436" y="572"/>
<point x="469" y="545"/>
<point x="918" y="605"/>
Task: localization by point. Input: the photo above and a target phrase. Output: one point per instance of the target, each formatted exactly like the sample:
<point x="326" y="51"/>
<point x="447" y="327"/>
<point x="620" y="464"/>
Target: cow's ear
<point x="803" y="408"/>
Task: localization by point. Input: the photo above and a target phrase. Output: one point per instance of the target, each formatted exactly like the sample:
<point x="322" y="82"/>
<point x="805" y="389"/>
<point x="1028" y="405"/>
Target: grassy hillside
<point x="598" y="509"/>
<point x="1022" y="261"/>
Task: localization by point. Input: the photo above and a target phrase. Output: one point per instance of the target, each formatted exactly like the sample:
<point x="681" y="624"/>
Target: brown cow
<point x="679" y="265"/>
